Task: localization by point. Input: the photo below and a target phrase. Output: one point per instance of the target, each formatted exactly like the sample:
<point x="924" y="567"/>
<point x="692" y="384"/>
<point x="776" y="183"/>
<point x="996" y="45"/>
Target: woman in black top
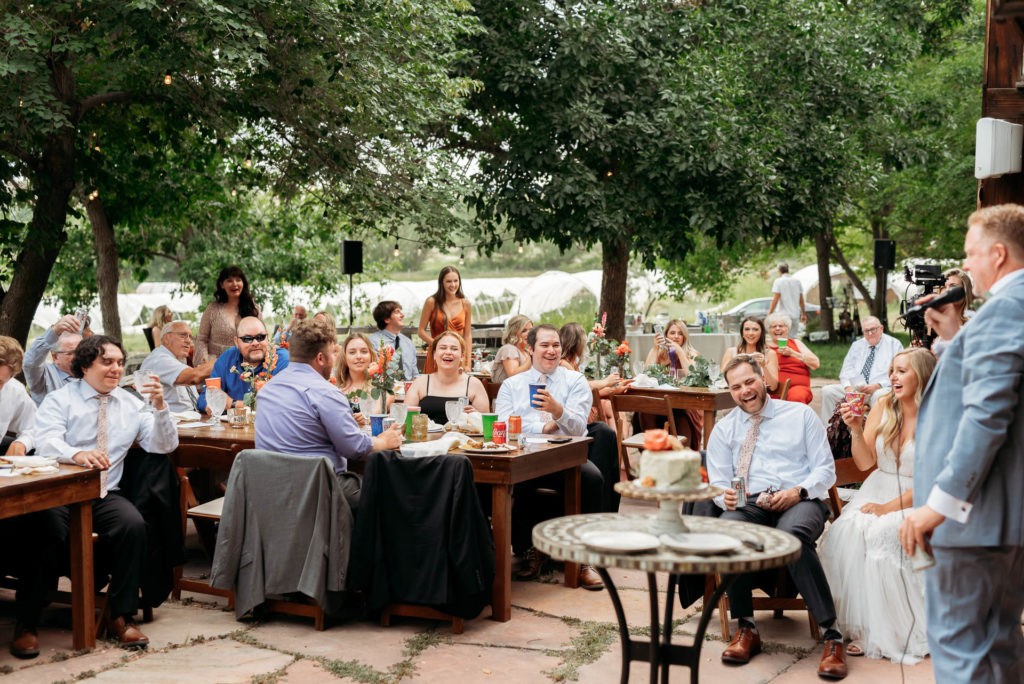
<point x="430" y="392"/>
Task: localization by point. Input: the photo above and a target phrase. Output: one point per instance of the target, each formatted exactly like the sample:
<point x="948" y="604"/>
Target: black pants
<point x="805" y="521"/>
<point x="529" y="508"/>
<point x="120" y="549"/>
<point x="34" y="549"/>
<point x="603" y="452"/>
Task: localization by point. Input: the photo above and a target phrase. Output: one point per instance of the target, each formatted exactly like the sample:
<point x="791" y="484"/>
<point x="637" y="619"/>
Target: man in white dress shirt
<point x="562" y="407"/>
<point x="167" y="362"/>
<point x="779" y="448"/>
<point x="93" y="423"/>
<point x="865" y="368"/>
<point x="60" y="340"/>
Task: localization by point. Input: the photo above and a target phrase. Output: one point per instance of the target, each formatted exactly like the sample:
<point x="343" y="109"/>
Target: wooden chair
<point x="846" y="473"/>
<point x="204" y="516"/>
<point x="492" y="391"/>
<point x="658" y="406"/>
<point x="785" y="389"/>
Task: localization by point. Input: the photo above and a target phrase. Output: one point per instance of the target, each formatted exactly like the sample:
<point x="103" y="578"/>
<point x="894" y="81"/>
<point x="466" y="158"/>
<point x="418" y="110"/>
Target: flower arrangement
<point x="599" y="344"/>
<point x="625" y="355"/>
<point x="383" y="374"/>
<point x="699" y="374"/>
<point x="255" y="380"/>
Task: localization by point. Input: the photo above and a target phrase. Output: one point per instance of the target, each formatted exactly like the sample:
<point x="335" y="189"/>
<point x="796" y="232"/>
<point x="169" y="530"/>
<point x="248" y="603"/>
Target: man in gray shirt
<point x="168" y="363"/>
<point x="61" y="339"/>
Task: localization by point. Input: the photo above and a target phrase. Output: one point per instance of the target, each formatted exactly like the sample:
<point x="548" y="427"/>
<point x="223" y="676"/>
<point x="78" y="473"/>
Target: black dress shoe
<point x="26" y="642"/>
<point x="532" y="565"/>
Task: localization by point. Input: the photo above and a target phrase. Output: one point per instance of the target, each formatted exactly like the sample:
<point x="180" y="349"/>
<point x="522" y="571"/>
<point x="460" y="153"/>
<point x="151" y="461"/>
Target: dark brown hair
<point x="246" y="304"/>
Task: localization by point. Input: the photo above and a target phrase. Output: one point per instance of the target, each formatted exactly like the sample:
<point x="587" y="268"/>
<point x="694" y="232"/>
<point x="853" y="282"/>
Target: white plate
<point x="673" y="490"/>
<point x="504" y="449"/>
<point x="620" y="541"/>
<point x="703" y="544"/>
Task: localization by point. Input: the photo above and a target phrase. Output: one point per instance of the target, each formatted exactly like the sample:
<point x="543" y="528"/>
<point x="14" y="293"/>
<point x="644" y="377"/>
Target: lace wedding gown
<point x="879" y="598"/>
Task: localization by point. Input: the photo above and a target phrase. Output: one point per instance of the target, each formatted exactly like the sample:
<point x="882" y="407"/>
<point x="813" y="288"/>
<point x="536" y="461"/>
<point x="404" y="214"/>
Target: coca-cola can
<point x="740" y="487"/>
<point x="499" y="433"/>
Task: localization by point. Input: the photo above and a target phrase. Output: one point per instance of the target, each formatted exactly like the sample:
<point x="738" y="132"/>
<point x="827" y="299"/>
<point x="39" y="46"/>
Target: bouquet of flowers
<point x="599" y="345"/>
<point x="383" y="374"/>
<point x="255" y="380"/>
<point x="625" y="354"/>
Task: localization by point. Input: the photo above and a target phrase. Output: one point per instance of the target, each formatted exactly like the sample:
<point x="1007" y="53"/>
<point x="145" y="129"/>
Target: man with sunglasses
<point x="167" y="362"/>
<point x="252" y="351"/>
<point x="60" y="339"/>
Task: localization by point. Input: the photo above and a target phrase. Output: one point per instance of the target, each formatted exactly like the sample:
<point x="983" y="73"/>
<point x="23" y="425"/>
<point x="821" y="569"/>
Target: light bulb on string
<point x="520" y="248"/>
<point x="167" y="78"/>
<point x="462" y="258"/>
<point x="396" y="248"/>
<point x="248" y="161"/>
<point x="93" y="195"/>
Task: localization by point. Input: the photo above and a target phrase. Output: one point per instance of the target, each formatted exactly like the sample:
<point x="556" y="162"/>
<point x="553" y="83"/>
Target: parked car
<point x="759" y="307"/>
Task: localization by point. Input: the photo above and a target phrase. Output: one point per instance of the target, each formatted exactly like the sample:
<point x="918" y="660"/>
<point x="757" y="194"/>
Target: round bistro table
<point x="764" y="548"/>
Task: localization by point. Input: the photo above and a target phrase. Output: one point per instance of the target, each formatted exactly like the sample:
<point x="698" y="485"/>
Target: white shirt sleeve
<point x="822" y="464"/>
<point x="20" y="412"/>
<point x="35" y="360"/>
<point x="948" y="505"/>
<point x="576" y="408"/>
<point x="51" y="426"/>
<point x="157" y="432"/>
<point x="852" y="363"/>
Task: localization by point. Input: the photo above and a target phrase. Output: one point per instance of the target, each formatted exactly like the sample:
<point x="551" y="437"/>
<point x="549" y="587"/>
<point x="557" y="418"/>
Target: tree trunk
<point x="824" y="285"/>
<point x="614" y="270"/>
<point x="44" y="239"/>
<point x="107" y="266"/>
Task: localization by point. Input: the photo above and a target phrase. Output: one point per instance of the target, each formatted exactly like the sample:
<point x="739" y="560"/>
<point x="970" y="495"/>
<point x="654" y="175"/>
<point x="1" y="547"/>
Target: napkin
<point x="185" y="415"/>
<point x="32" y="461"/>
<point x="645" y="381"/>
<point x="474" y="422"/>
<point x="433" y="448"/>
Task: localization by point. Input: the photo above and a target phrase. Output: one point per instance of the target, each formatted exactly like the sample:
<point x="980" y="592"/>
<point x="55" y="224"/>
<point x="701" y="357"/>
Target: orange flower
<point x="258" y="385"/>
<point x="623" y="349"/>
<point x="373" y="370"/>
<point x="656" y="440"/>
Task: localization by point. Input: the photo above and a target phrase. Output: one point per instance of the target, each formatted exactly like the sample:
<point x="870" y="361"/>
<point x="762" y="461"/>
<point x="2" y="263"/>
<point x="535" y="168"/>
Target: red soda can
<point x="499" y="434"/>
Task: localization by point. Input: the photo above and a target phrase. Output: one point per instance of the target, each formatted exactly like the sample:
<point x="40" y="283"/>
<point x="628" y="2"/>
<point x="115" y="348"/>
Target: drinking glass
<point x="366" y="407"/>
<point x="216" y="401"/>
<point x="140" y="378"/>
<point x="397" y="412"/>
<point x="453" y="409"/>
<point x="714" y="372"/>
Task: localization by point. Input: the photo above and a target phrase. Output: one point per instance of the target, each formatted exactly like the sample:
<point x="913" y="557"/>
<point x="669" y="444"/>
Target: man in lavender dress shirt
<point x="301" y="412"/>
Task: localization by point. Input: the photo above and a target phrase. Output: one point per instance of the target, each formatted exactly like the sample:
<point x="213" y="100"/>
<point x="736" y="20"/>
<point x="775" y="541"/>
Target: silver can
<point x="740" y="487"/>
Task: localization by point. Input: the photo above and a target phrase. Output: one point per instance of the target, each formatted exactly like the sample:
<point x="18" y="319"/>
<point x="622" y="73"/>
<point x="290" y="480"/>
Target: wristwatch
<point x="803" y="494"/>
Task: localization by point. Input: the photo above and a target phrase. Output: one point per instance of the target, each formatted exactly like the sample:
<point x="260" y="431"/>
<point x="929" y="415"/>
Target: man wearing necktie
<point x="92" y="422"/>
<point x="780" y="450"/>
<point x="865" y="368"/>
<point x="390" y="319"/>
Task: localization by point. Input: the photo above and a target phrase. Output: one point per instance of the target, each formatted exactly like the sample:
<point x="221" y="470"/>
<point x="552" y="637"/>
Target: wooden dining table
<point x="74" y="487"/>
<point x="498" y="471"/>
<point x="705" y="399"/>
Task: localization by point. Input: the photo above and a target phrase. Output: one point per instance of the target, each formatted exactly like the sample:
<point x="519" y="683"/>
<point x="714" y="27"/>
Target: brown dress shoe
<point x="745" y="644"/>
<point x="128" y="635"/>
<point x="833" y="661"/>
<point x="26" y="642"/>
<point x="589" y="579"/>
<point x="532" y="565"/>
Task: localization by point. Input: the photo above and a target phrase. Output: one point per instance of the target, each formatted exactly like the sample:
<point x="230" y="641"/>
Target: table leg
<point x="666" y="643"/>
<point x="572" y="507"/>
<point x="82" y="590"/>
<point x="654" y="645"/>
<point x="501" y="527"/>
<point x="709" y="423"/>
<point x="620" y="616"/>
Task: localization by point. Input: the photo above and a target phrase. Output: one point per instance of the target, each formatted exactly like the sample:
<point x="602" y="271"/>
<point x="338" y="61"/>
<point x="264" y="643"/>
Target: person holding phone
<point x="673" y="349"/>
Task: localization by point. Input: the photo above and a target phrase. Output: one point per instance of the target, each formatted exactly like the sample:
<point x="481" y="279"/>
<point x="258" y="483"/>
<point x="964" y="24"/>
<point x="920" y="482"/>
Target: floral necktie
<point x="747" y="450"/>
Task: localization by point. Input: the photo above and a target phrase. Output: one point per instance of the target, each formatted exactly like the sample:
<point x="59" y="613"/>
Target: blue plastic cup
<point x="533" y="392"/>
<point x="377" y="423"/>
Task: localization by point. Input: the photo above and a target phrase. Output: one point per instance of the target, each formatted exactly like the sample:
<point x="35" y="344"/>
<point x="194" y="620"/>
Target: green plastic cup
<point x="783" y="342"/>
<point x="410" y="411"/>
<point x="488" y="420"/>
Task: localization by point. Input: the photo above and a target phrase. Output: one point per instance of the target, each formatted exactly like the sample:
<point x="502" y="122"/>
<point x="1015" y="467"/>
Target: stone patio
<point x="555" y="634"/>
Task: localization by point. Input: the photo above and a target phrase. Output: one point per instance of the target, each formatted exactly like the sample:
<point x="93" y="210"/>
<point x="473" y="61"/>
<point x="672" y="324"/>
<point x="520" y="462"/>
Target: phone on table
<point x="560" y="440"/>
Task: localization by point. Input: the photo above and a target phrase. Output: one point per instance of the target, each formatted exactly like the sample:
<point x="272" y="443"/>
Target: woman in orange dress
<point x="447" y="309"/>
<point x="796" y="361"/>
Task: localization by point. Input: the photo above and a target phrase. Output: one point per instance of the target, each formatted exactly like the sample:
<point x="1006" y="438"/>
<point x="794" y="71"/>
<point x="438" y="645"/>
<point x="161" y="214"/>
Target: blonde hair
<point x="514" y="329"/>
<point x="447" y="333"/>
<point x="965" y="282"/>
<point x="341" y="371"/>
<point x="159" y="314"/>
<point x="1002" y="223"/>
<point x="11" y="354"/>
<point x="922" y="363"/>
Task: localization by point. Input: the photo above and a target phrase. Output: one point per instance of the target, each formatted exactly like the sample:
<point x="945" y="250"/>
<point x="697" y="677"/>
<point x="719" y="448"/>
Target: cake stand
<point x="668" y="520"/>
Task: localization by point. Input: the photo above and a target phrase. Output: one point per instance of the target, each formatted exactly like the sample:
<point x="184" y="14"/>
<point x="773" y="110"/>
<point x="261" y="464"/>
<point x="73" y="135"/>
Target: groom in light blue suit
<point x="969" y="470"/>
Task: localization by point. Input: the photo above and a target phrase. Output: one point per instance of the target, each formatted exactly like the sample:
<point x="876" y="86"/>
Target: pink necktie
<point x="747" y="450"/>
<point x="101" y="427"/>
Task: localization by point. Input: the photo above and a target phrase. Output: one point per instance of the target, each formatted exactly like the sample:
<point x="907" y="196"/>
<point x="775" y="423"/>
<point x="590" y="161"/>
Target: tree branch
<point x="102" y="98"/>
<point x="19" y="153"/>
<point x="857" y="282"/>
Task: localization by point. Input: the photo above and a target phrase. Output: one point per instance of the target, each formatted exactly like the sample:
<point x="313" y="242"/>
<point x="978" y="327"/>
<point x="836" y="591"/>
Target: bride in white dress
<point x="879" y="598"/>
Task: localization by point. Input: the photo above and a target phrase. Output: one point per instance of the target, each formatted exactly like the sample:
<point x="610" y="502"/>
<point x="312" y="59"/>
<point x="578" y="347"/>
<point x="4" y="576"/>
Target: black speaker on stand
<point x="885" y="254"/>
<point x="351" y="263"/>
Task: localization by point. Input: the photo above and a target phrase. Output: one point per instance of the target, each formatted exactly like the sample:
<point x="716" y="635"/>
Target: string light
<point x="97" y="148"/>
<point x="93" y="195"/>
<point x="167" y="78"/>
<point x="396" y="247"/>
<point x="520" y="247"/>
<point x="462" y="258"/>
<point x="608" y="174"/>
<point x="234" y="193"/>
<point x="248" y="161"/>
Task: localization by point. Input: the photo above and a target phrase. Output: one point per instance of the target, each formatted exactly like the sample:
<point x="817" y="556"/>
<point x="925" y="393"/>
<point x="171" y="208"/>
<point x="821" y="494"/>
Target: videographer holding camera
<point x="970" y="442"/>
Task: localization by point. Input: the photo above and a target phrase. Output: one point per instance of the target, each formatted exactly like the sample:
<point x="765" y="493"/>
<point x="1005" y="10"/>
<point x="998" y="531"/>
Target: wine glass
<point x="140" y="378"/>
<point x="397" y="412"/>
<point x="216" y="401"/>
<point x="453" y="409"/>
<point x="714" y="373"/>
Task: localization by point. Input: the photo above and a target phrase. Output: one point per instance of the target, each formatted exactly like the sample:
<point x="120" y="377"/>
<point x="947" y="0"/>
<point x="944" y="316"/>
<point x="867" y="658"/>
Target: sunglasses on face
<point x="249" y="339"/>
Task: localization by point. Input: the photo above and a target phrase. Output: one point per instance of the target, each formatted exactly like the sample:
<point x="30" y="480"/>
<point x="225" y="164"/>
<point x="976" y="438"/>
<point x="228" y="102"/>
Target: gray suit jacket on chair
<point x="286" y="527"/>
<point x="970" y="428"/>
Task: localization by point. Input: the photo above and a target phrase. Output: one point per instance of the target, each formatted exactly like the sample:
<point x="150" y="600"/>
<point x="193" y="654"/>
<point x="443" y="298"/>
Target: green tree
<point x="327" y="100"/>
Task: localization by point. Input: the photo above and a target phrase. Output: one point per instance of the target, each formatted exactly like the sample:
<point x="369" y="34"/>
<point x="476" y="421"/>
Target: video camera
<point x="928" y="277"/>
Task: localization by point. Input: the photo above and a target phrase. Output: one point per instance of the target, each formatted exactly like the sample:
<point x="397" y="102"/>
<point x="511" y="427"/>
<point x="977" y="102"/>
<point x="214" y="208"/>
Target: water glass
<point x="453" y="410"/>
<point x="140" y="378"/>
<point x="216" y="400"/>
<point x="397" y="412"/>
